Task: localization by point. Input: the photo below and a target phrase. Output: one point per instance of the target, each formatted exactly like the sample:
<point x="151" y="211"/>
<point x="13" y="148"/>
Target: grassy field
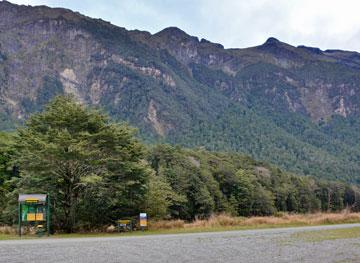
<point x="333" y="234"/>
<point x="150" y="232"/>
<point x="228" y="223"/>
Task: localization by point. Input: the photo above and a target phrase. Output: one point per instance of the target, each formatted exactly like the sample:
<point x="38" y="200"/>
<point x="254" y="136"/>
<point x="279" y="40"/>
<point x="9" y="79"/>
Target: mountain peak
<point x="5" y="5"/>
<point x="172" y="30"/>
<point x="170" y="84"/>
<point x="174" y="33"/>
<point x="14" y="12"/>
<point x="271" y="41"/>
<point x="4" y="2"/>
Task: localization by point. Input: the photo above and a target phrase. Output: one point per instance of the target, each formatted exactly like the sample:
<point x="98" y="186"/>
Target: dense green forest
<point x="98" y="171"/>
<point x="295" y="107"/>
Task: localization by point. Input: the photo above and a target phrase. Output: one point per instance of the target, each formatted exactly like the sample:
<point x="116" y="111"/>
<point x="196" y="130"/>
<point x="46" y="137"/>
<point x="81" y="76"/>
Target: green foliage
<point x="160" y="197"/>
<point x="244" y="192"/>
<point x="263" y="202"/>
<point x="51" y="87"/>
<point x="7" y="168"/>
<point x="292" y="143"/>
<point x="96" y="172"/>
<point x="256" y="101"/>
<point x="229" y="182"/>
<point x="6" y="153"/>
<point x="75" y="153"/>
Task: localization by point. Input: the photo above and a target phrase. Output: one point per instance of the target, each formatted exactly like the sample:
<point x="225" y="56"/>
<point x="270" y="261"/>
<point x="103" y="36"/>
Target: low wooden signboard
<point x="143" y="220"/>
<point x="34" y="210"/>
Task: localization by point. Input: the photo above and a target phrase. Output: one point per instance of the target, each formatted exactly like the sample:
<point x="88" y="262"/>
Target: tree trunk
<point x="68" y="203"/>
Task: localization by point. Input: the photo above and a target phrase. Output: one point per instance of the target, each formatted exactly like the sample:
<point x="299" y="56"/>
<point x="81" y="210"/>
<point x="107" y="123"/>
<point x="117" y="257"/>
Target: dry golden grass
<point x="215" y="221"/>
<point x="225" y="222"/>
<point x="7" y="230"/>
<point x="283" y="219"/>
<point x="166" y="224"/>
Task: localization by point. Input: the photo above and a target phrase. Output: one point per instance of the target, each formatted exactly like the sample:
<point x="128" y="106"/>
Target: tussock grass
<point x="7" y="230"/>
<point x="166" y="224"/>
<point x="220" y="222"/>
<point x="282" y="219"/>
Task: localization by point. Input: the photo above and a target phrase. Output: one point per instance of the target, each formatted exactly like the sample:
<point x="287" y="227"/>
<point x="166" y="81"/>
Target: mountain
<point x="297" y="107"/>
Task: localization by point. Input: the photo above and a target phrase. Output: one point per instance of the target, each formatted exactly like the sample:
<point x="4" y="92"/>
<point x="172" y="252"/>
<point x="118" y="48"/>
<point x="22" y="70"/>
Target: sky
<point x="327" y="24"/>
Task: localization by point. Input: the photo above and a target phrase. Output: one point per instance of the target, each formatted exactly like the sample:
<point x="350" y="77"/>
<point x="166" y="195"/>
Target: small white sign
<point x="143" y="215"/>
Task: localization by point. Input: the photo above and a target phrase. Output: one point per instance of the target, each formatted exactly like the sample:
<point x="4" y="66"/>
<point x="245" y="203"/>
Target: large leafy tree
<point x="160" y="197"/>
<point x="7" y="169"/>
<point x="244" y="191"/>
<point x="6" y="153"/>
<point x="92" y="168"/>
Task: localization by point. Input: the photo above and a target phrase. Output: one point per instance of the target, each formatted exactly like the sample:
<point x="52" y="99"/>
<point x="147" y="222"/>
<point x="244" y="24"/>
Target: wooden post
<point x="48" y="215"/>
<point x="19" y="217"/>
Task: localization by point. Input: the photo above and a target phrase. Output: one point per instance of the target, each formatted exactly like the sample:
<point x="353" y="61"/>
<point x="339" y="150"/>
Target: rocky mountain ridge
<point x="295" y="106"/>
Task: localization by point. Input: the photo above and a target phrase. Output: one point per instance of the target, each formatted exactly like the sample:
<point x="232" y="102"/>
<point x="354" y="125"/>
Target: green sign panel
<point x="34" y="210"/>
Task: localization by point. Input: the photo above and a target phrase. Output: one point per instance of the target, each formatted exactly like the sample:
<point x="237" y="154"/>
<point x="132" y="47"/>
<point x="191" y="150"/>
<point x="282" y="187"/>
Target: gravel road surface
<point x="270" y="245"/>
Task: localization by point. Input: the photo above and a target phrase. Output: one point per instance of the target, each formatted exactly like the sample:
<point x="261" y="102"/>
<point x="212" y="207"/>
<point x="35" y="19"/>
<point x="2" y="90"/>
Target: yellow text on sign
<point x="143" y="222"/>
<point x="35" y="217"/>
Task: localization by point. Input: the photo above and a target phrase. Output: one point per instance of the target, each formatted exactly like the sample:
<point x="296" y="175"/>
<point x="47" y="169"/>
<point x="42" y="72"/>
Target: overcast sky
<point x="328" y="24"/>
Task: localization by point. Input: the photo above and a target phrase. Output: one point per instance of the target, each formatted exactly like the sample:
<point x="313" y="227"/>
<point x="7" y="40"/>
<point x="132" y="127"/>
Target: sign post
<point x="34" y="210"/>
<point x="143" y="221"/>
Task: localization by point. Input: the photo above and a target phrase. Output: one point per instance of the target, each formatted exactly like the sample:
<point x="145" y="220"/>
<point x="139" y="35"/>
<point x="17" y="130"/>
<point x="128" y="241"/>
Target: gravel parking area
<point x="270" y="245"/>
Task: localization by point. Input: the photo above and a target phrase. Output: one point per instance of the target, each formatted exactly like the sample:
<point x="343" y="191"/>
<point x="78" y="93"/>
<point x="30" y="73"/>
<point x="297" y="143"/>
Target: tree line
<point x="98" y="171"/>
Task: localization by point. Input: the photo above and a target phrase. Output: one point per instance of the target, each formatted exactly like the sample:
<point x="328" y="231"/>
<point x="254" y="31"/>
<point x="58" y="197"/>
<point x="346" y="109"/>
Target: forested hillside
<point x="91" y="166"/>
<point x="296" y="107"/>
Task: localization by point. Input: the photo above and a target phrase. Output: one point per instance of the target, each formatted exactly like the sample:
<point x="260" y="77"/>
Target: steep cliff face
<point x="295" y="106"/>
<point x="70" y="53"/>
<point x="303" y="79"/>
<point x="47" y="51"/>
